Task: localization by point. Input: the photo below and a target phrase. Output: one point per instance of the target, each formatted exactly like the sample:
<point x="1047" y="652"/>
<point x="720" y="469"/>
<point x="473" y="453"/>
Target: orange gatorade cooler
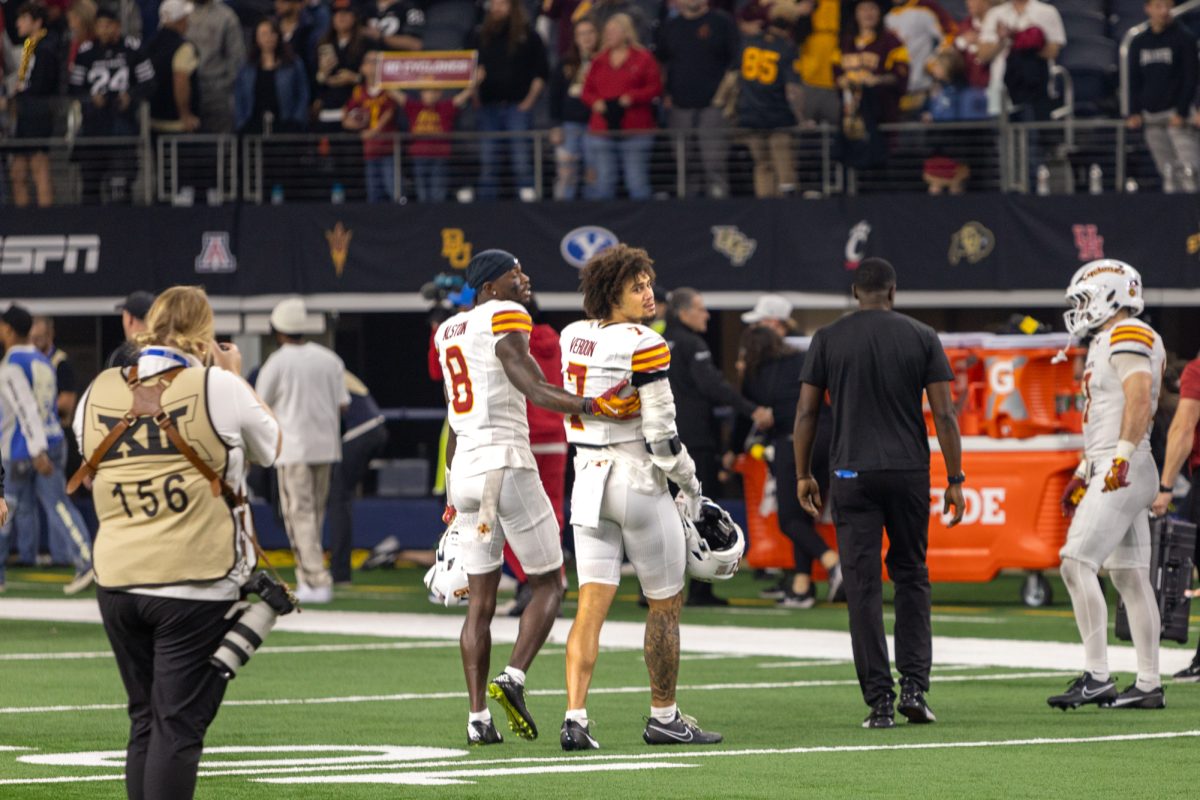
<point x="1026" y="393"/>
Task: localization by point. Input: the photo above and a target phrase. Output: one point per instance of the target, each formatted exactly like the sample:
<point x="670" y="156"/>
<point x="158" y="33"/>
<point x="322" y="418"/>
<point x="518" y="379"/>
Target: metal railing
<point x="190" y="169"/>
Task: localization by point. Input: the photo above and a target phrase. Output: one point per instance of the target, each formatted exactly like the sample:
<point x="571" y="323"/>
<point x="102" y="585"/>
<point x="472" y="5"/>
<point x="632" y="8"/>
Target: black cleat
<point x="1191" y="674"/>
<point x="1134" y="697"/>
<point x="912" y="703"/>
<point x="681" y="730"/>
<point x="882" y="715"/>
<point x="511" y="695"/>
<point x="577" y="737"/>
<point x="481" y="733"/>
<point x="1083" y="690"/>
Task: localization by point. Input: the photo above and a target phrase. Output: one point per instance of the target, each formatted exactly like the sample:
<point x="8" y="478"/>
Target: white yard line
<point x="796" y="643"/>
<point x="458" y="695"/>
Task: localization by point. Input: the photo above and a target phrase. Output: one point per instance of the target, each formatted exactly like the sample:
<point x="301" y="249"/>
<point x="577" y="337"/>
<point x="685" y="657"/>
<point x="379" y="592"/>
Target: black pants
<point x="794" y="522"/>
<point x="862" y="507"/>
<point x="343" y="486"/>
<point x="162" y="647"/>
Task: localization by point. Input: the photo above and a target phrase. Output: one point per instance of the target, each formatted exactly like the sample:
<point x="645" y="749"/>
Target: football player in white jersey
<point x="493" y="481"/>
<point x="1109" y="497"/>
<point x="620" y="504"/>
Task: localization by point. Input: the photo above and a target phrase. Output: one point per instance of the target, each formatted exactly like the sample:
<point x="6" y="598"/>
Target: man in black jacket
<point x="1163" y="69"/>
<point x="698" y="386"/>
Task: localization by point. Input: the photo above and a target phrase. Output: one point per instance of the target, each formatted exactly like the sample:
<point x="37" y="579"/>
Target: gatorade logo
<point x="1002" y="377"/>
<point x="983" y="506"/>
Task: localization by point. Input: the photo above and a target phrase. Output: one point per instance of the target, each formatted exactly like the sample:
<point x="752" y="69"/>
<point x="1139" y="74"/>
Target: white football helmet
<point x="447" y="578"/>
<point x="1097" y="291"/>
<point x="714" y="543"/>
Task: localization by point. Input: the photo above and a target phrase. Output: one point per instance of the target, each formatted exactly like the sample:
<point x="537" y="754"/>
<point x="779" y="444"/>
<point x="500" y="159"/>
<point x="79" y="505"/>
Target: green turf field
<point x="336" y="715"/>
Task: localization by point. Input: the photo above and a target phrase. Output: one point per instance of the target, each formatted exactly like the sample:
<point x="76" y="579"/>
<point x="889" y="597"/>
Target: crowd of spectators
<point x="602" y="75"/>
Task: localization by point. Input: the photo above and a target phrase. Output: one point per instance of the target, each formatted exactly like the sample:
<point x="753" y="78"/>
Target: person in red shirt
<point x="1183" y="445"/>
<point x="429" y="115"/>
<point x="372" y="112"/>
<point x="621" y="87"/>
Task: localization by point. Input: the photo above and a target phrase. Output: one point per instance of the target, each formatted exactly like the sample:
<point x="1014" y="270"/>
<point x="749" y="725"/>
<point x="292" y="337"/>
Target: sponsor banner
<point x="984" y="242"/>
<point x="433" y="69"/>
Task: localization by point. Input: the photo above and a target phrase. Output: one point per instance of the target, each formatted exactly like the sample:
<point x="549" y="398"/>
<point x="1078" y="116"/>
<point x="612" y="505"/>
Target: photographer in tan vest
<point x="166" y="445"/>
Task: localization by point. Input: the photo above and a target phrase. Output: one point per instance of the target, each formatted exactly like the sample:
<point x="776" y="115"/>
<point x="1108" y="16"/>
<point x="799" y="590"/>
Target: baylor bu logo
<point x="455" y="247"/>
<point x="144" y="438"/>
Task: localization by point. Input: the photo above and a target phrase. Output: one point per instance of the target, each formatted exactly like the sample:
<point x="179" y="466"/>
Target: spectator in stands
<point x="924" y="28"/>
<point x="372" y="112"/>
<point x="110" y="79"/>
<point x="872" y="72"/>
<point x="513" y="72"/>
<point x="620" y="88"/>
<point x="431" y="115"/>
<point x="297" y="31"/>
<point x="271" y="92"/>
<point x="568" y="113"/>
<point x="966" y="42"/>
<point x="697" y="49"/>
<point x="395" y="25"/>
<point x="217" y="34"/>
<point x="339" y="60"/>
<point x="81" y="22"/>
<point x="1162" y="83"/>
<point x="643" y="23"/>
<point x="566" y="14"/>
<point x="818" y="34"/>
<point x="175" y="102"/>
<point x="1025" y="35"/>
<point x="768" y="107"/>
<point x="37" y="86"/>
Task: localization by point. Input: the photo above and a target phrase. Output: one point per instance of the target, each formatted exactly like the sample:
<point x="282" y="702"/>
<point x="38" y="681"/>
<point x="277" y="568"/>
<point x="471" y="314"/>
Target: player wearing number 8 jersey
<point x="620" y="505"/>
<point x="1109" y="497"/>
<point x="493" y="483"/>
<point x="171" y="556"/>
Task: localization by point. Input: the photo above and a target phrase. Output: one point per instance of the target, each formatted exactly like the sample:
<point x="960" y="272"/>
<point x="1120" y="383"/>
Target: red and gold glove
<point x="612" y="405"/>
<point x="1073" y="496"/>
<point x="449" y="514"/>
<point x="1118" y="475"/>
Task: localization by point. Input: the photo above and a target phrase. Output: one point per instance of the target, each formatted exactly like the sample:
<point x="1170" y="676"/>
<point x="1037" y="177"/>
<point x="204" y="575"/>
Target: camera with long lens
<point x="251" y="626"/>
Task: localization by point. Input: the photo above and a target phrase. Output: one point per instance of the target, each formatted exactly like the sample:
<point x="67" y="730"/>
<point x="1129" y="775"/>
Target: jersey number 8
<point x="462" y="399"/>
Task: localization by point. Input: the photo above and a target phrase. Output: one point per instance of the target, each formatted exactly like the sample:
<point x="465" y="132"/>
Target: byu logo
<point x="581" y="244"/>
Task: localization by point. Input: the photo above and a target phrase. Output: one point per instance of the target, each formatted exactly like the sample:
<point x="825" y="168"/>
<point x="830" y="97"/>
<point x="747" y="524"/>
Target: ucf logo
<point x="973" y="242"/>
<point x="143" y="438"/>
<point x="729" y="241"/>
<point x="455" y="247"/>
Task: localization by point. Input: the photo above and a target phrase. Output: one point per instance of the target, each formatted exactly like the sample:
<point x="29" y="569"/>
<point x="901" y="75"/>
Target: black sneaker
<point x="481" y="733"/>
<point x="837" y="590"/>
<point x="681" y="730"/>
<point x="1191" y="674"/>
<point x="912" y="703"/>
<point x="792" y="600"/>
<point x="577" y="737"/>
<point x="882" y="715"/>
<point x="1083" y="690"/>
<point x="1134" y="697"/>
<point x="775" y="591"/>
<point x="511" y="695"/>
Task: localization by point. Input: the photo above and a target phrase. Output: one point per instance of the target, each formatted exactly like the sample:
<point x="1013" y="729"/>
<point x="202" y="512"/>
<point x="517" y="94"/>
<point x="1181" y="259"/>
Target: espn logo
<point x="983" y="506"/>
<point x="29" y="255"/>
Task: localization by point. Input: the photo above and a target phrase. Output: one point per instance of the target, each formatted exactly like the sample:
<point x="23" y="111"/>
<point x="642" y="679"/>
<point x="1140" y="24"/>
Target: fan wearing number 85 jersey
<point x="488" y="373"/>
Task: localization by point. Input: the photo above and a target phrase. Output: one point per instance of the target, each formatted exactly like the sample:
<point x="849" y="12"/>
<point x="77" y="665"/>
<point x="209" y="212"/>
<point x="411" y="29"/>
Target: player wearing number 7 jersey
<point x="1109" y="498"/>
<point x="621" y="506"/>
<point x="488" y="373"/>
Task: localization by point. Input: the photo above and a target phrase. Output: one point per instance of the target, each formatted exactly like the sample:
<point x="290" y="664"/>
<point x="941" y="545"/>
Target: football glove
<point x="612" y="405"/>
<point x="1073" y="496"/>
<point x="449" y="514"/>
<point x="1118" y="475"/>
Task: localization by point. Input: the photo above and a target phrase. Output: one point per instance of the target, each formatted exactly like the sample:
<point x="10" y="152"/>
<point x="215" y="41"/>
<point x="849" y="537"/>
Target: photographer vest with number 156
<point x="160" y="522"/>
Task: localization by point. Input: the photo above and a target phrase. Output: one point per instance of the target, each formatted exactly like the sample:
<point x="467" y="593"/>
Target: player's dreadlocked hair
<point x="606" y="275"/>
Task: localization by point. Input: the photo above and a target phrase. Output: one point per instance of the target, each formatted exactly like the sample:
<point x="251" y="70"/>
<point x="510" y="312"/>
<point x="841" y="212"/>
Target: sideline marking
<point x="459" y="695"/>
<point x="377" y="753"/>
<point x="298" y="648"/>
<point x="454" y="776"/>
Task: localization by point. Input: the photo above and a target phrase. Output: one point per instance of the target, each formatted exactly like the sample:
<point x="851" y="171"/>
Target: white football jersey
<point x="1103" y="391"/>
<point x="595" y="358"/>
<point x="486" y="412"/>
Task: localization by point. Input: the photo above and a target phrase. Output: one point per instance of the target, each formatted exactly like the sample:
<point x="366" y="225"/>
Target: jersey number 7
<point x="578" y="375"/>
